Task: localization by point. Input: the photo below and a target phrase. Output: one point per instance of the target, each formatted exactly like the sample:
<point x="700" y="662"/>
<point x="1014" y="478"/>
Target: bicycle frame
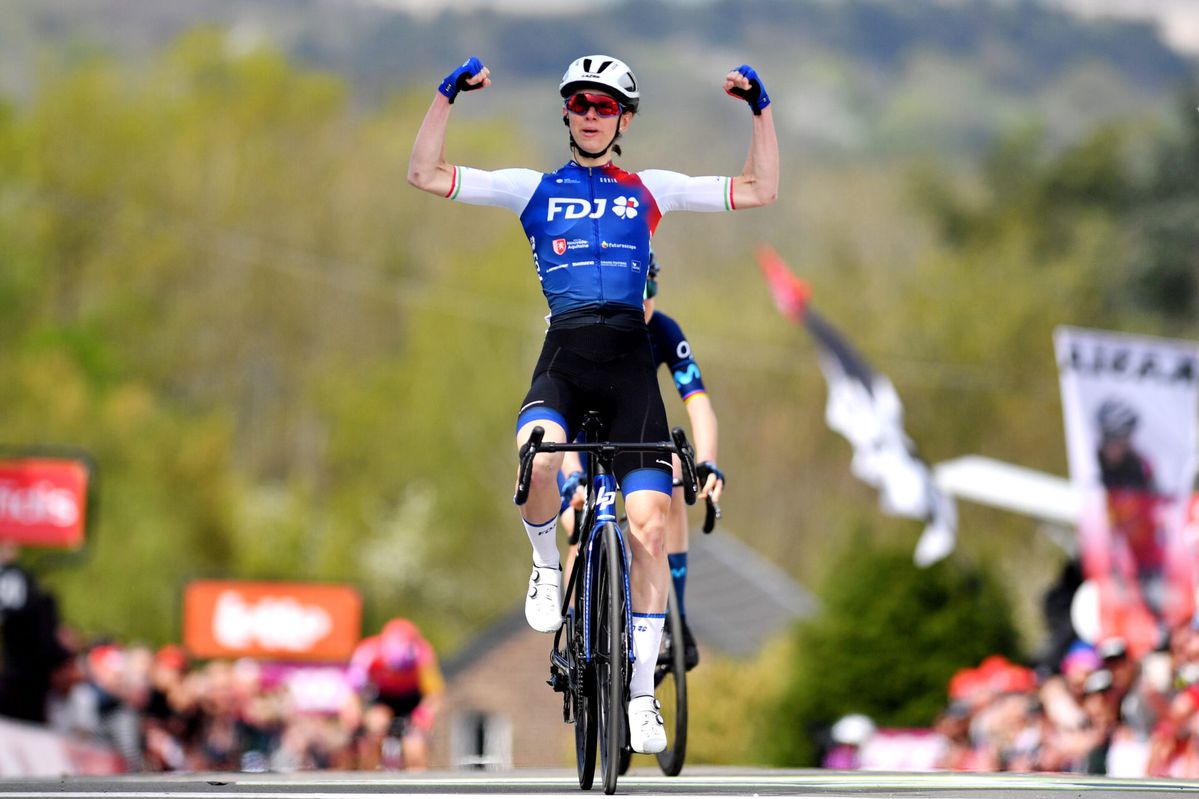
<point x="603" y="489"/>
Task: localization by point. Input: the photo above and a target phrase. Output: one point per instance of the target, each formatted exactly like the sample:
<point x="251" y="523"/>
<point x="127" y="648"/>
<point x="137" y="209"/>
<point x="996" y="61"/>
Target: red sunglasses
<point x="604" y="105"/>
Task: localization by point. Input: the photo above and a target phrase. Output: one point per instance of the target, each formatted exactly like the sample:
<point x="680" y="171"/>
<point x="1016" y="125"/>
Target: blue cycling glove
<point x="568" y="487"/>
<point x="456" y="81"/>
<point x="702" y="470"/>
<point x="756" y="94"/>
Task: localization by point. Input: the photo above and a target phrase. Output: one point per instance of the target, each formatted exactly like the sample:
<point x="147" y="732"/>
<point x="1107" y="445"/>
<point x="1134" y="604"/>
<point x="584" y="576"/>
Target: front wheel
<point x="670" y="677"/>
<point x="611" y="656"/>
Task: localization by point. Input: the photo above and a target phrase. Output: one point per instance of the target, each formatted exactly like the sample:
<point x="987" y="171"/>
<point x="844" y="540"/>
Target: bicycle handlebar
<point x="688" y="461"/>
<point x="607" y="449"/>
<point x="527" y="451"/>
<point x="711" y="513"/>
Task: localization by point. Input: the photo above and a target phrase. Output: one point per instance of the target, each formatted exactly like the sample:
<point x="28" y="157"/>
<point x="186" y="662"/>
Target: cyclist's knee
<point x="647" y="512"/>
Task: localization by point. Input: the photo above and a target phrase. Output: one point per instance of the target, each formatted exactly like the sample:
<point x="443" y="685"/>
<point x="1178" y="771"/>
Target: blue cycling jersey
<point x="670" y="347"/>
<point x="590" y="227"/>
<point x="590" y="231"/>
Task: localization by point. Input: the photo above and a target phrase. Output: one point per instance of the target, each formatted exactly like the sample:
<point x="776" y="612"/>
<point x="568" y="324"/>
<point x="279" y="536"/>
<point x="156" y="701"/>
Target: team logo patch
<point x="559" y="246"/>
<point x="625" y="207"/>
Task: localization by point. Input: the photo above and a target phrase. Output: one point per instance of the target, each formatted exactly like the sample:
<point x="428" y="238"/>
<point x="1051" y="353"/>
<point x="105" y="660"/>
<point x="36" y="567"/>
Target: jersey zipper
<point x="595" y="239"/>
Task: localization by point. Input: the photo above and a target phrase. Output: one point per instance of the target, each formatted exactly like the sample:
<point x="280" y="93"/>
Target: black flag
<point x="864" y="408"/>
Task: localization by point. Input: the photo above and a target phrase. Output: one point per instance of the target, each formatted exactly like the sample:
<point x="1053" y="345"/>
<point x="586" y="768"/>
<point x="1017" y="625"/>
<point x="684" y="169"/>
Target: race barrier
<point x="28" y="750"/>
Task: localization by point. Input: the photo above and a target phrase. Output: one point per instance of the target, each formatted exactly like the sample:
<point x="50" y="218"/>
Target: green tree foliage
<point x="887" y="640"/>
<point x="1164" y="273"/>
<point x="217" y="282"/>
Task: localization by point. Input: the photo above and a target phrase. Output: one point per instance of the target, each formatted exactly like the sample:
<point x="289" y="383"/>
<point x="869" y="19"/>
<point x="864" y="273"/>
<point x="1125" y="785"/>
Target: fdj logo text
<point x="571" y="208"/>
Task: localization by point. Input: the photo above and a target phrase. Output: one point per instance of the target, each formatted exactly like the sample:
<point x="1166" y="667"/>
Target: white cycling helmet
<point x="605" y="73"/>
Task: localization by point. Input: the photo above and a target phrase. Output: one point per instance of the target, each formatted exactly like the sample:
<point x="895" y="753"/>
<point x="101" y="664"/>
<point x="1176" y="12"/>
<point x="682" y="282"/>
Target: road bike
<point x="592" y="653"/>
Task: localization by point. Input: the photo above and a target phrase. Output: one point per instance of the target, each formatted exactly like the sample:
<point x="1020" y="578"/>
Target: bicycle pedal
<point x="558" y="682"/>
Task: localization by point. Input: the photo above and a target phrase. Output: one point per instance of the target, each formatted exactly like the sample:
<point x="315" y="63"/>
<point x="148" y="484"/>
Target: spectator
<point x="848" y="735"/>
<point x="29" y="638"/>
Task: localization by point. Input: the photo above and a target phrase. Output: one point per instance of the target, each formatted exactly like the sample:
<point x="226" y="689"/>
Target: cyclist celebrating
<point x="589" y="224"/>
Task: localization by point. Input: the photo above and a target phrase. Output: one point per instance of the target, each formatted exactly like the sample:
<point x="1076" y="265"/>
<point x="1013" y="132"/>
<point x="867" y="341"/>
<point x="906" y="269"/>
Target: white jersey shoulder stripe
<point x="674" y="191"/>
<point x="507" y="188"/>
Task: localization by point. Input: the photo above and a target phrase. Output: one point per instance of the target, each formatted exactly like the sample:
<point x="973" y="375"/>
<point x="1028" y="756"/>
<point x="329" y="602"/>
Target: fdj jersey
<point x="590" y="227"/>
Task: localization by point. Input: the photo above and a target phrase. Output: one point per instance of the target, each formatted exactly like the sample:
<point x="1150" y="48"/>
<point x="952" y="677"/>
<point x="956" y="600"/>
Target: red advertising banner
<point x="43" y="501"/>
<point x="287" y="621"/>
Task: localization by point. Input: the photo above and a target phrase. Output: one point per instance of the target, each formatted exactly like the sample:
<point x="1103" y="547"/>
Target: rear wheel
<point x="671" y="680"/>
<point x="611" y="656"/>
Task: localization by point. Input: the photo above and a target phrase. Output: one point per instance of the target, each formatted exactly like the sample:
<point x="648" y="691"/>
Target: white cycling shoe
<point x="646" y="733"/>
<point x="543" y="603"/>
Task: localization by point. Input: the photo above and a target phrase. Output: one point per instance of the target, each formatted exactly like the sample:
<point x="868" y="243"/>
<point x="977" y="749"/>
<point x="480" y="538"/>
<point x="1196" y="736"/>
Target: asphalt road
<point x="698" y="782"/>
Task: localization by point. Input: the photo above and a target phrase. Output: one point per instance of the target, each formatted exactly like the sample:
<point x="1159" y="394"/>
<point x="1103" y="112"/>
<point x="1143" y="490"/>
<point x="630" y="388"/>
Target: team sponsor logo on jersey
<point x="625" y="207"/>
<point x="577" y="244"/>
<point x="574" y="208"/>
<point x="683" y="377"/>
<point x="616" y="245"/>
<point x="578" y="208"/>
<point x="559" y="246"/>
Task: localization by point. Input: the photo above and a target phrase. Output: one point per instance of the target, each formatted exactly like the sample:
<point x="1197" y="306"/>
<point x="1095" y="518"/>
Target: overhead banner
<point x="283" y="621"/>
<point x="1131" y="406"/>
<point x="43" y="501"/>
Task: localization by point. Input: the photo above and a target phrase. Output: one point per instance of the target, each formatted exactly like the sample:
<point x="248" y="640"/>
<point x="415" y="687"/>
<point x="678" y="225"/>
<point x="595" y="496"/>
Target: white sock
<point x="647" y="637"/>
<point x="545" y="543"/>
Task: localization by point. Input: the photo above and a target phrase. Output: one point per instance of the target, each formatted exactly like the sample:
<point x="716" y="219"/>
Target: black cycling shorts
<point x="604" y="365"/>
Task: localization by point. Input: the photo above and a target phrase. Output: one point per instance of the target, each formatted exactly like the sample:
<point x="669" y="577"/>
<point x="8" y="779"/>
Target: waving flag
<point x="864" y="408"/>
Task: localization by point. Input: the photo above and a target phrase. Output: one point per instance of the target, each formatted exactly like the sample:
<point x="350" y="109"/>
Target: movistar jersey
<point x="670" y="347"/>
<point x="590" y="227"/>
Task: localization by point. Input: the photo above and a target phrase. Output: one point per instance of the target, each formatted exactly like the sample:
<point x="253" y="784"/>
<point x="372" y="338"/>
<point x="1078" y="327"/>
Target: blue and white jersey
<point x="590" y="227"/>
<point x="670" y="347"/>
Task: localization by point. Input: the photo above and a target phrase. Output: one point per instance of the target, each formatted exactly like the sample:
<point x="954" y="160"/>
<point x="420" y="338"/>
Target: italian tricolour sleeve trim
<point x="455" y="185"/>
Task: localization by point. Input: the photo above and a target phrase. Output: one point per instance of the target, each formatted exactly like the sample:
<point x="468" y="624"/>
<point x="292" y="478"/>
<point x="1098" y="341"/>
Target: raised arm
<point x="758" y="183"/>
<point x="427" y="168"/>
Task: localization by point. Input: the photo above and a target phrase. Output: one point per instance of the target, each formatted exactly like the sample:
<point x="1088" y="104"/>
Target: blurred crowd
<point x="1099" y="711"/>
<point x="1102" y="712"/>
<point x="162" y="712"/>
